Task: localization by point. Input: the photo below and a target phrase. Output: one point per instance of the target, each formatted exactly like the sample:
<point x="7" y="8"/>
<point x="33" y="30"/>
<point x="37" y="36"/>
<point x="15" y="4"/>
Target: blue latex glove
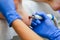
<point x="45" y="27"/>
<point x="8" y="10"/>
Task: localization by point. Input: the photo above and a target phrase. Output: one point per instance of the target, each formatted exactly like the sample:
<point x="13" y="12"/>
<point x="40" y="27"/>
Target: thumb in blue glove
<point x="45" y="27"/>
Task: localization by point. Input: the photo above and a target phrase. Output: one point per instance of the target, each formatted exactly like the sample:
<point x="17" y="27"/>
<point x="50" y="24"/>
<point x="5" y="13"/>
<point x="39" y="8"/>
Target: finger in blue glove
<point x="46" y="28"/>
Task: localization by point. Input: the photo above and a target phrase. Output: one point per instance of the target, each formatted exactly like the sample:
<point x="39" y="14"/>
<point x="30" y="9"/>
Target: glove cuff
<point x="55" y="35"/>
<point x="12" y="16"/>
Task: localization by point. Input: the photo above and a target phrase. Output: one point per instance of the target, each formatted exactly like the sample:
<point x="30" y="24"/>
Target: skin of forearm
<point x="25" y="17"/>
<point x="23" y="14"/>
<point x="1" y="16"/>
<point x="24" y="31"/>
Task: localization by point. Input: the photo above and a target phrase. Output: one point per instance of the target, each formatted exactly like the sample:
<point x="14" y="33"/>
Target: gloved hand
<point x="45" y="27"/>
<point x="8" y="10"/>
